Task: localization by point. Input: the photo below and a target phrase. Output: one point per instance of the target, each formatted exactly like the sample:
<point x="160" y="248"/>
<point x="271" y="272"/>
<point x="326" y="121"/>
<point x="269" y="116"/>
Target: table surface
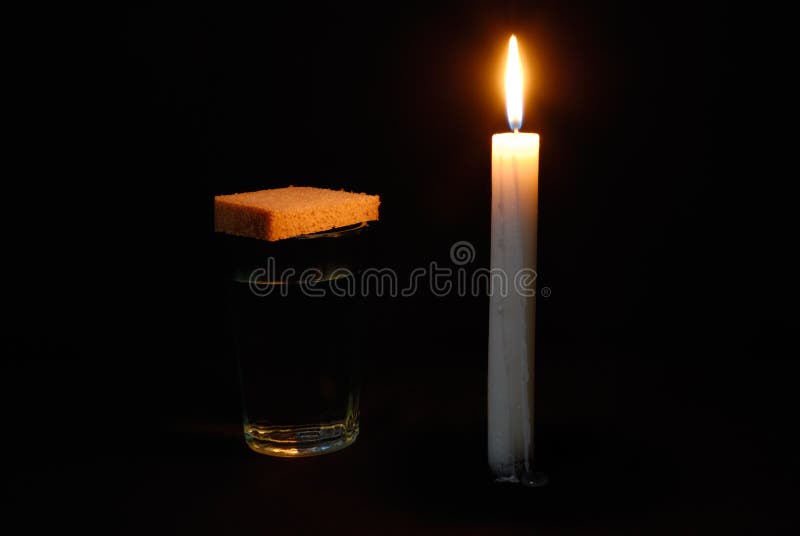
<point x="644" y="456"/>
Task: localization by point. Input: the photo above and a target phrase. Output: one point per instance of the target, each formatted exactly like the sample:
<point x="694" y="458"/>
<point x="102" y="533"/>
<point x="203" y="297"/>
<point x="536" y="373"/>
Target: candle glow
<point x="514" y="84"/>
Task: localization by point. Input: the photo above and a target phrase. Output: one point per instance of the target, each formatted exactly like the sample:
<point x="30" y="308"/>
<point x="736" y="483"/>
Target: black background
<point x="662" y="398"/>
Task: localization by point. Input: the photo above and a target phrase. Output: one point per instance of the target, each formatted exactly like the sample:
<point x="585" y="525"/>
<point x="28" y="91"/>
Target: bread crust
<point x="292" y="211"/>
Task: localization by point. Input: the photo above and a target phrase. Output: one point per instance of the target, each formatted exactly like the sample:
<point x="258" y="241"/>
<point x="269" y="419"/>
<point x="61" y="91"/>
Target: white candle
<point x="515" y="197"/>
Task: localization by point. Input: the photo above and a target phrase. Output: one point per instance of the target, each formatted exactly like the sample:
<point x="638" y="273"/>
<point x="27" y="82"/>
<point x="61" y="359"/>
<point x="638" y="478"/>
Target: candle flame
<point x="514" y="85"/>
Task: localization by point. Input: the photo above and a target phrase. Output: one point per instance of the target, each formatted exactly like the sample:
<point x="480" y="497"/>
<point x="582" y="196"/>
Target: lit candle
<point x="515" y="196"/>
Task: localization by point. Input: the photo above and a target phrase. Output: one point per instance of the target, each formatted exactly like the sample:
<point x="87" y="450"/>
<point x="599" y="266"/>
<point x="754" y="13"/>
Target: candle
<point x="515" y="195"/>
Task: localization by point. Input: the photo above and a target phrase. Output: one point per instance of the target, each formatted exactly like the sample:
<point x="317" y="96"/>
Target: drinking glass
<point x="296" y="318"/>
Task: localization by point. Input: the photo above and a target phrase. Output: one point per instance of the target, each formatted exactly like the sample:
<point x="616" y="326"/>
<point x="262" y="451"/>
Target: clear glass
<point x="297" y="351"/>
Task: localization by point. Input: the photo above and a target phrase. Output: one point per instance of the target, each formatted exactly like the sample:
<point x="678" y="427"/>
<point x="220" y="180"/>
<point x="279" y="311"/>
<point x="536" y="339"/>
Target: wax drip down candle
<point x="515" y="196"/>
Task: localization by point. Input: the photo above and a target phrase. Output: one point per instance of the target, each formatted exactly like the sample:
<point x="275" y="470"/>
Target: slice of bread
<point x="293" y="211"/>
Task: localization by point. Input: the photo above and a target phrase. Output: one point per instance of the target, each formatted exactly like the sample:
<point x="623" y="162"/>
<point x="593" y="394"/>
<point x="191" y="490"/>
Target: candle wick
<point x="516" y="131"/>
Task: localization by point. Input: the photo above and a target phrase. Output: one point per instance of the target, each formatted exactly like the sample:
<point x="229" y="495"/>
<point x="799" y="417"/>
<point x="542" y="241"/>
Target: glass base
<point x="299" y="441"/>
<point x="530" y="479"/>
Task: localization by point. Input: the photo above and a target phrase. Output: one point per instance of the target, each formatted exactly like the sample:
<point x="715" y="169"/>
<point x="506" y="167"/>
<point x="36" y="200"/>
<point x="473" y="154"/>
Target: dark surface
<point x="664" y="398"/>
<point x="629" y="444"/>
